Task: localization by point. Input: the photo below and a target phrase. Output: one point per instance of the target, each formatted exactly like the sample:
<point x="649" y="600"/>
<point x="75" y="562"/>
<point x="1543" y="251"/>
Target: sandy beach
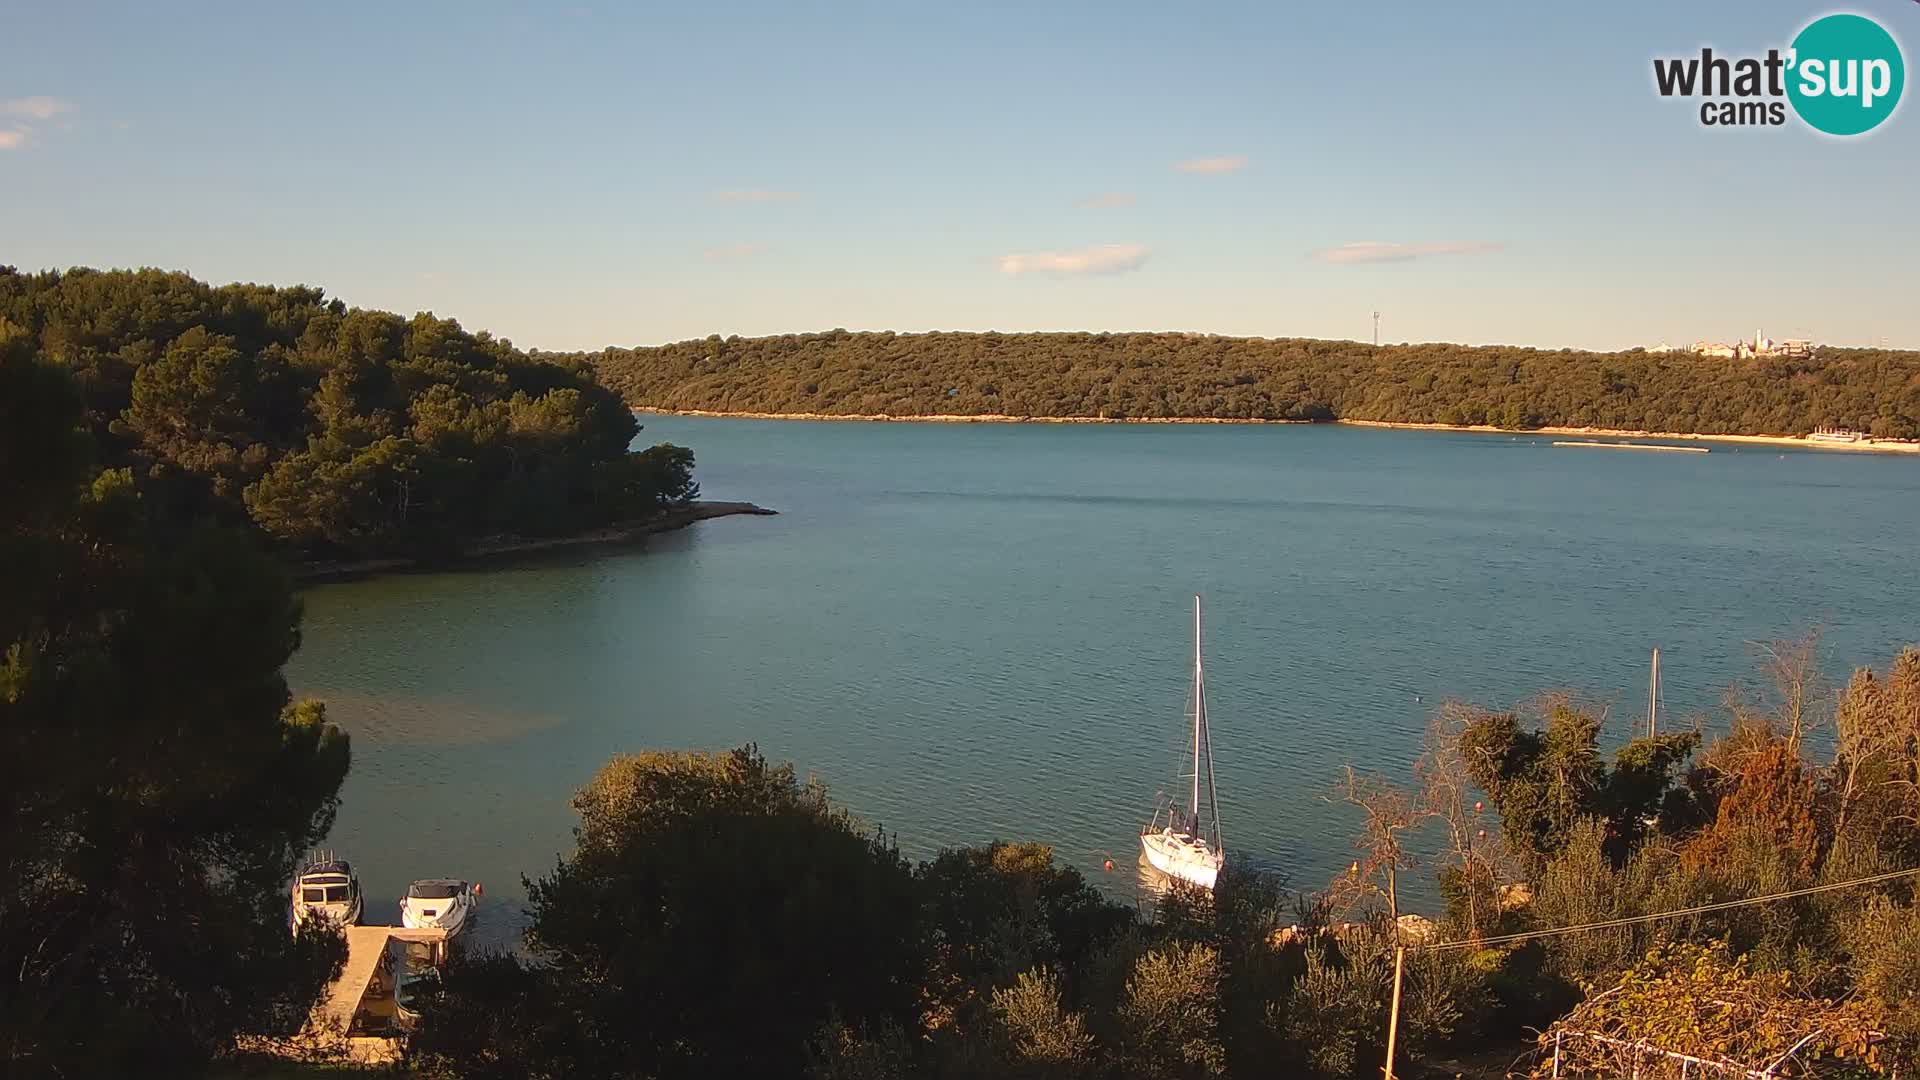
<point x="1801" y="442"/>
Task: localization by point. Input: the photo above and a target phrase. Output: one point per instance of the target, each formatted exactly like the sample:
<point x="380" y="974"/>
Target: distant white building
<point x="1761" y="345"/>
<point x="1839" y="435"/>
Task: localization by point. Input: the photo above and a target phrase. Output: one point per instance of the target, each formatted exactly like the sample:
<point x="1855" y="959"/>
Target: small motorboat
<point x="416" y="979"/>
<point x="326" y="891"/>
<point x="439" y="904"/>
<point x="1183" y="841"/>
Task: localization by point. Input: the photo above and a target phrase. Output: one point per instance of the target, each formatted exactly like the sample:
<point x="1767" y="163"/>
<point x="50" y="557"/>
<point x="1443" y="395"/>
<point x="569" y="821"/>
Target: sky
<point x="624" y="174"/>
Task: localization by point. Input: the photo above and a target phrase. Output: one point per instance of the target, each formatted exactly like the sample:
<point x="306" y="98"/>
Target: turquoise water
<point x="978" y="631"/>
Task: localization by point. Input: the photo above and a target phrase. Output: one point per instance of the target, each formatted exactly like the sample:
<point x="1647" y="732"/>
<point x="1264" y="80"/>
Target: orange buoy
<point x="1109" y="864"/>
<point x="476" y="889"/>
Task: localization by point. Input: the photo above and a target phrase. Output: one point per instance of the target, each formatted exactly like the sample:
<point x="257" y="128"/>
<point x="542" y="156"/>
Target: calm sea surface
<point x="979" y="631"/>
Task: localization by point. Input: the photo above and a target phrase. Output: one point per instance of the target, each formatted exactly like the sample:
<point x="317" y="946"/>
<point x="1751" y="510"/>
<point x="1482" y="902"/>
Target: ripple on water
<point x="979" y="631"/>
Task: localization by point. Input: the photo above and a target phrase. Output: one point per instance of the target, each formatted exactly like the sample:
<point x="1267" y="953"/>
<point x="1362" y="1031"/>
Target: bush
<point x="1170" y="1017"/>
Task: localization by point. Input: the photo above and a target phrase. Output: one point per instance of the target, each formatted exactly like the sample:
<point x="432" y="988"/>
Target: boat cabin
<point x="326" y="889"/>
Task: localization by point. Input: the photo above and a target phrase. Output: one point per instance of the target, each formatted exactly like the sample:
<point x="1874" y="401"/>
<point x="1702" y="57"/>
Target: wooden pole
<point x="1393" y="1017"/>
<point x="1473" y="886"/>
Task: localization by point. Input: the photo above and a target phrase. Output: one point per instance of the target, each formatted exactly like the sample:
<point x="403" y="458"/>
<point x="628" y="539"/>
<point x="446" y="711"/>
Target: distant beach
<point x="1873" y="447"/>
<point x="1801" y="441"/>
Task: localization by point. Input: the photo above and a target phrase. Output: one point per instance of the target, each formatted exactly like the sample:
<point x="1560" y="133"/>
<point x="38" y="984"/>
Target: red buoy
<point x="1109" y="865"/>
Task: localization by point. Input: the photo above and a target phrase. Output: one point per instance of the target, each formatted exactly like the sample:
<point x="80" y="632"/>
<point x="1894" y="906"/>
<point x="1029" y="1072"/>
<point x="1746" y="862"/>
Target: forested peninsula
<point x="1165" y="376"/>
<point x="333" y="433"/>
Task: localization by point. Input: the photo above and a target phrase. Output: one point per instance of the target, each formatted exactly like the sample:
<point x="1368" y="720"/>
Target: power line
<point x="1612" y="924"/>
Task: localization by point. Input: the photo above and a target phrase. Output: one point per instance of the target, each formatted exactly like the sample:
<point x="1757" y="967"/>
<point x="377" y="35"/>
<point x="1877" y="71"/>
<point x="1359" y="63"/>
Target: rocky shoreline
<point x="501" y="547"/>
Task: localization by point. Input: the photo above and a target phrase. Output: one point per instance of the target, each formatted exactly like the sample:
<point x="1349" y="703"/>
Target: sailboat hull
<point x="1181" y="858"/>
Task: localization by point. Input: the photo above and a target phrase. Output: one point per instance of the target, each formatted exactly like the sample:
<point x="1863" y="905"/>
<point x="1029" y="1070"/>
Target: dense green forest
<point x="1167" y="375"/>
<point x="335" y="430"/>
<point x="720" y="916"/>
<point x="164" y="447"/>
<point x="156" y="781"/>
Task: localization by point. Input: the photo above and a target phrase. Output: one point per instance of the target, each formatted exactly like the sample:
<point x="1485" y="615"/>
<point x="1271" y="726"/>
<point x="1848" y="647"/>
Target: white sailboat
<point x="1182" y="842"/>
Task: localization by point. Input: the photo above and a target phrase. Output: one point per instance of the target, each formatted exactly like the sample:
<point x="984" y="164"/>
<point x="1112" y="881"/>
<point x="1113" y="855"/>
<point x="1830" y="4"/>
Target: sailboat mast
<point x="1199" y="711"/>
<point x="1653" y="696"/>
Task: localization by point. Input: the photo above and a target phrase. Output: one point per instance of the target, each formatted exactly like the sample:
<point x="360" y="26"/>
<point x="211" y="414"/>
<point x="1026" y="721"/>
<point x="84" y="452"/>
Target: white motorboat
<point x="439" y="904"/>
<point x="1183" y="839"/>
<point x="415" y="976"/>
<point x="326" y="890"/>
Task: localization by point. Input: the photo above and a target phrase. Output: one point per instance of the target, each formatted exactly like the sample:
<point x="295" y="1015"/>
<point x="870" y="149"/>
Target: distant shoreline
<point x="1801" y="441"/>
<point x="500" y="547"/>
<point x="1879" y="447"/>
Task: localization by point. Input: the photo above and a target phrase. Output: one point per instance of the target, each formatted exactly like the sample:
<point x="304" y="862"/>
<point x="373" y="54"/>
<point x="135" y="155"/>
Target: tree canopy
<point x="715" y="914"/>
<point x="718" y="916"/>
<point x="156" y="782"/>
<point x="1545" y="780"/>
<point x="1170" y="375"/>
<point x="714" y="894"/>
<point x="335" y="429"/>
<point x="1758" y="814"/>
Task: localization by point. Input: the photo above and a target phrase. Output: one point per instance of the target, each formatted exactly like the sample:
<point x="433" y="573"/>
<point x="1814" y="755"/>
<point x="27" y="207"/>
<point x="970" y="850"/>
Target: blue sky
<point x="630" y="174"/>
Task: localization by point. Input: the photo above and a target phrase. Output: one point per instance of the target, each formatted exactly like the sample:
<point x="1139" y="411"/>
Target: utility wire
<point x="1633" y="920"/>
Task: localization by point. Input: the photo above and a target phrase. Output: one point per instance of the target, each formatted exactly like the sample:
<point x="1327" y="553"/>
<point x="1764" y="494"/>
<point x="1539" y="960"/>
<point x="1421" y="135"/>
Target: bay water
<point x="971" y="631"/>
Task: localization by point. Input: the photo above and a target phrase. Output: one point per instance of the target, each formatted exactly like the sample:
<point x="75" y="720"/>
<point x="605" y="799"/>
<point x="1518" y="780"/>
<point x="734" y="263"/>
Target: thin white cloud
<point x="733" y="252"/>
<point x="1373" y="251"/>
<point x="1101" y="259"/>
<point x="1225" y="163"/>
<point x="13" y="140"/>
<point x="1107" y="200"/>
<point x="754" y="195"/>
<point x="40" y="108"/>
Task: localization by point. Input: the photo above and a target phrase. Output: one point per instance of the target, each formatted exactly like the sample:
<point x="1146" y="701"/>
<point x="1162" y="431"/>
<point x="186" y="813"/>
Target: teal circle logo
<point x="1846" y="74"/>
